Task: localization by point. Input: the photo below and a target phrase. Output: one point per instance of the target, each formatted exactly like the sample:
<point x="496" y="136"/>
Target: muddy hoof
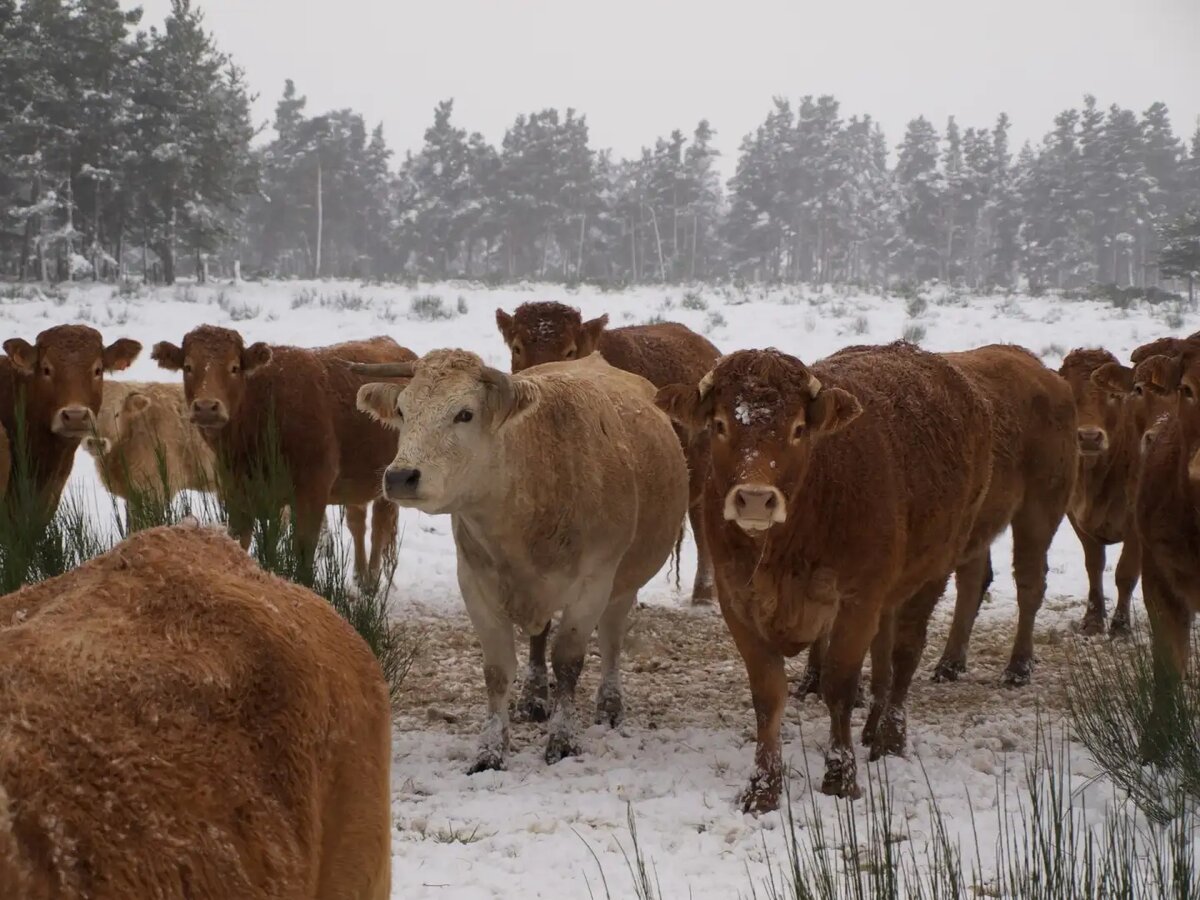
<point x="487" y="761"/>
<point x="1092" y="625"/>
<point x="871" y="726"/>
<point x="841" y="777"/>
<point x="1120" y="627"/>
<point x="1018" y="674"/>
<point x="534" y="705"/>
<point x="891" y="737"/>
<point x="702" y="595"/>
<point x="949" y="670"/>
<point x="559" y="747"/>
<point x="761" y="794"/>
<point x="808" y="683"/>
<point x="610" y="710"/>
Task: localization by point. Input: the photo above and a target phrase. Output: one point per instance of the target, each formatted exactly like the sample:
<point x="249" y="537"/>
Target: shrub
<point x="428" y="308"/>
<point x="914" y="333"/>
<point x="693" y="300"/>
<point x="916" y="306"/>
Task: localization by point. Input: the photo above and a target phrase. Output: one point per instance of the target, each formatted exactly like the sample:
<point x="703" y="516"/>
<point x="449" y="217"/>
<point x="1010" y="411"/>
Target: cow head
<point x="1100" y="386"/>
<point x="548" y="332"/>
<point x="216" y="363"/>
<point x="1179" y="377"/>
<point x="448" y="417"/>
<point x="765" y="411"/>
<point x="120" y="408"/>
<point x="63" y="375"/>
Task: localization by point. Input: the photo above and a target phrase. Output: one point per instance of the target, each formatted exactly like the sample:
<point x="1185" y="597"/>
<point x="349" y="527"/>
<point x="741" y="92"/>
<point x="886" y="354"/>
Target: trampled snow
<point x="685" y="749"/>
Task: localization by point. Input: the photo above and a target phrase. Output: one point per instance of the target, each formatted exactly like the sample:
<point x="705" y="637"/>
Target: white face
<point x="118" y="409"/>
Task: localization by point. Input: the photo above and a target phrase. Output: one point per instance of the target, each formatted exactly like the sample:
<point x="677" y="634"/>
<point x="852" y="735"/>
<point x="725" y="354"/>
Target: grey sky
<point x="639" y="68"/>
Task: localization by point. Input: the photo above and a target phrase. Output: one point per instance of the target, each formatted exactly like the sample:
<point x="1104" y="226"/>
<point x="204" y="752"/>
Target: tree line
<point x="130" y="152"/>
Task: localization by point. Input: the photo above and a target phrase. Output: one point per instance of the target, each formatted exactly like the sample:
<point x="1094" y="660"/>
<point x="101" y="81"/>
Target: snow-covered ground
<point x="685" y="749"/>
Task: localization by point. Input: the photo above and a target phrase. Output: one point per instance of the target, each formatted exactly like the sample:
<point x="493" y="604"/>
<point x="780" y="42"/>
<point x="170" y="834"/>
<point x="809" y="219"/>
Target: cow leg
<point x="912" y="626"/>
<point x="1129" y="567"/>
<point x="768" y="690"/>
<point x="534" y="704"/>
<point x="970" y="582"/>
<point x="310" y="517"/>
<point x="810" y="680"/>
<point x="841" y="669"/>
<point x="1093" y="557"/>
<point x="579" y="620"/>
<point x="495" y="635"/>
<point x="702" y="587"/>
<point x="881" y="675"/>
<point x="610" y="707"/>
<point x="385" y="527"/>
<point x="1032" y="530"/>
<point x="356" y="523"/>
<point x="1171" y="621"/>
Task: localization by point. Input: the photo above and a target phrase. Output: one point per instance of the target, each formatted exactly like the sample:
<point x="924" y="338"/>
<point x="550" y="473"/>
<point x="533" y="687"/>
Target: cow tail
<point x="677" y="554"/>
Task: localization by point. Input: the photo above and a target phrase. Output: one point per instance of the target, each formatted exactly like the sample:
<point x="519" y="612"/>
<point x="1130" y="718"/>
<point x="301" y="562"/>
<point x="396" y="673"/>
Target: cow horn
<point x="382" y="370"/>
<point x="488" y="375"/>
<point x="706" y="383"/>
<point x="814" y="385"/>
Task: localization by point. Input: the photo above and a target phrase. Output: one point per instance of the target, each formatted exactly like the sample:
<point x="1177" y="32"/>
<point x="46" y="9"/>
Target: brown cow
<point x="145" y="442"/>
<point x="1101" y="510"/>
<point x="61" y="380"/>
<point x="332" y="454"/>
<point x="1034" y="461"/>
<point x="839" y="499"/>
<point x="663" y="353"/>
<point x="175" y="722"/>
<point x="1168" y="524"/>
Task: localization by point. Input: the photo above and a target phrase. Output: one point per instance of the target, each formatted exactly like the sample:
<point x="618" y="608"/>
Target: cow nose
<point x="206" y="407"/>
<point x="401" y="483"/>
<point x="96" y="446"/>
<point x="75" y="418"/>
<point x="755" y="506"/>
<point x="1092" y="439"/>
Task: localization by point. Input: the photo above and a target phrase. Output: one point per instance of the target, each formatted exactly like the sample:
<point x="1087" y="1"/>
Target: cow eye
<point x="187" y="369"/>
<point x="798" y="431"/>
<point x="234" y="369"/>
<point x="1137" y="389"/>
<point x="570" y="354"/>
<point x="464" y="415"/>
<point x="1188" y="393"/>
<point x="98" y="372"/>
<point x="718" y="426"/>
<point x="46" y="371"/>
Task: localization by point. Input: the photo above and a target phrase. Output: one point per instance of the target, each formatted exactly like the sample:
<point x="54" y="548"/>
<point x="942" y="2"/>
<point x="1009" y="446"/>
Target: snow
<point x="680" y="758"/>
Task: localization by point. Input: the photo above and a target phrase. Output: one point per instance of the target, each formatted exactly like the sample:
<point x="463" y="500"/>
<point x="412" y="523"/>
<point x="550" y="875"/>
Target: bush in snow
<point x="428" y="308"/>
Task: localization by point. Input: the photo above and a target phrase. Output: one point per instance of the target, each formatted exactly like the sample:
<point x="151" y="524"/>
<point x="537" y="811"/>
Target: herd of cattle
<point x="171" y="695"/>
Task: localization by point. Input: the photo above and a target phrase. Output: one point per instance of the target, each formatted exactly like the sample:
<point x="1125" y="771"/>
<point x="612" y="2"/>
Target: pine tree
<point x="920" y="187"/>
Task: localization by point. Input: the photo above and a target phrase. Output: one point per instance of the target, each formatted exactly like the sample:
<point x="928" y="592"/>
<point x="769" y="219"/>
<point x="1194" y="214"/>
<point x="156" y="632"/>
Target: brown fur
<point x="145" y="442"/>
<point x="334" y="455"/>
<point x="1034" y="462"/>
<point x="878" y="511"/>
<point x="1101" y="510"/>
<point x="174" y="722"/>
<point x="566" y="489"/>
<point x="663" y="353"/>
<point x="61" y="373"/>
<point x="1168" y="524"/>
<point x="5" y="462"/>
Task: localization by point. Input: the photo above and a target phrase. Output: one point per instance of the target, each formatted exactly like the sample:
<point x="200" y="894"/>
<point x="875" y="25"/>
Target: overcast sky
<point x="639" y="68"/>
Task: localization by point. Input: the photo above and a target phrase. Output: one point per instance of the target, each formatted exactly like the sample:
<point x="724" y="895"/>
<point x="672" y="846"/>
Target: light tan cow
<point x="145" y="442"/>
<point x="566" y="488"/>
<point x="174" y="722"/>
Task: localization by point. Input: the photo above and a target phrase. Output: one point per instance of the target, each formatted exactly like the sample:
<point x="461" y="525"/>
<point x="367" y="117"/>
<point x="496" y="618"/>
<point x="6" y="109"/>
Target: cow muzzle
<point x="97" y="446"/>
<point x="74" y="422"/>
<point x="209" y="413"/>
<point x="1092" y="440"/>
<point x="402" y="484"/>
<point x="755" y="507"/>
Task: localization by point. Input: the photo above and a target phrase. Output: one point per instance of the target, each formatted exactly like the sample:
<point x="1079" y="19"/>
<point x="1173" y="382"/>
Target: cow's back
<point x="176" y="723"/>
<point x="663" y="353"/>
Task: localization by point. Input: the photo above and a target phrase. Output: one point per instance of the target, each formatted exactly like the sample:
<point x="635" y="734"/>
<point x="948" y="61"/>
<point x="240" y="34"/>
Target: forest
<point x="129" y="150"/>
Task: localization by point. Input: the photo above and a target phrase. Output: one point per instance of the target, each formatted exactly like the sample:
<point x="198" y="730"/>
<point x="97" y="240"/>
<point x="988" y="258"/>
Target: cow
<point x="663" y="353"/>
<point x="1151" y="402"/>
<point x="839" y="499"/>
<point x="1167" y="517"/>
<point x="1034" y="463"/>
<point x="175" y="722"/>
<point x="252" y="403"/>
<point x="145" y="442"/>
<point x="566" y="490"/>
<point x="50" y="393"/>
<point x="5" y="461"/>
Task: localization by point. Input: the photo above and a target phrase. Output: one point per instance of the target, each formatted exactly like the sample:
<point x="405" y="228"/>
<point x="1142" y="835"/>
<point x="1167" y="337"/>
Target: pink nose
<point x="755" y="506"/>
<point x="75" y="418"/>
<point x="1092" y="439"/>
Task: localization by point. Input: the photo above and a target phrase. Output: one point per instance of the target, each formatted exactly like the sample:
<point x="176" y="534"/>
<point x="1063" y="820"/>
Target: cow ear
<point x="120" y="354"/>
<point x="255" y="357"/>
<point x="378" y="400"/>
<point x="589" y="335"/>
<point x="1114" y="378"/>
<point x="136" y="404"/>
<point x="505" y="323"/>
<point x="832" y="410"/>
<point x="168" y="356"/>
<point x="510" y="397"/>
<point x="1161" y="371"/>
<point x="685" y="406"/>
<point x="23" y="355"/>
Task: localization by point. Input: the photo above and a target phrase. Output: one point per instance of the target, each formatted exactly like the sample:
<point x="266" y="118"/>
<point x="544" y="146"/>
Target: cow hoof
<point x="559" y="747"/>
<point x="1018" y="674"/>
<point x="1120" y="627"/>
<point x="891" y="737"/>
<point x="532" y="708"/>
<point x="610" y="711"/>
<point x="871" y="727"/>
<point x="948" y="670"/>
<point x="487" y="762"/>
<point x="860" y="698"/>
<point x="761" y="794"/>
<point x="841" y="776"/>
<point x="702" y="595"/>
<point x="1092" y="625"/>
<point x="809" y="683"/>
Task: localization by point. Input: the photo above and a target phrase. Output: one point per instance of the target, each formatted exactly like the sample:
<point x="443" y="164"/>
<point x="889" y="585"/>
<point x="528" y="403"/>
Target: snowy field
<point x="685" y="749"/>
